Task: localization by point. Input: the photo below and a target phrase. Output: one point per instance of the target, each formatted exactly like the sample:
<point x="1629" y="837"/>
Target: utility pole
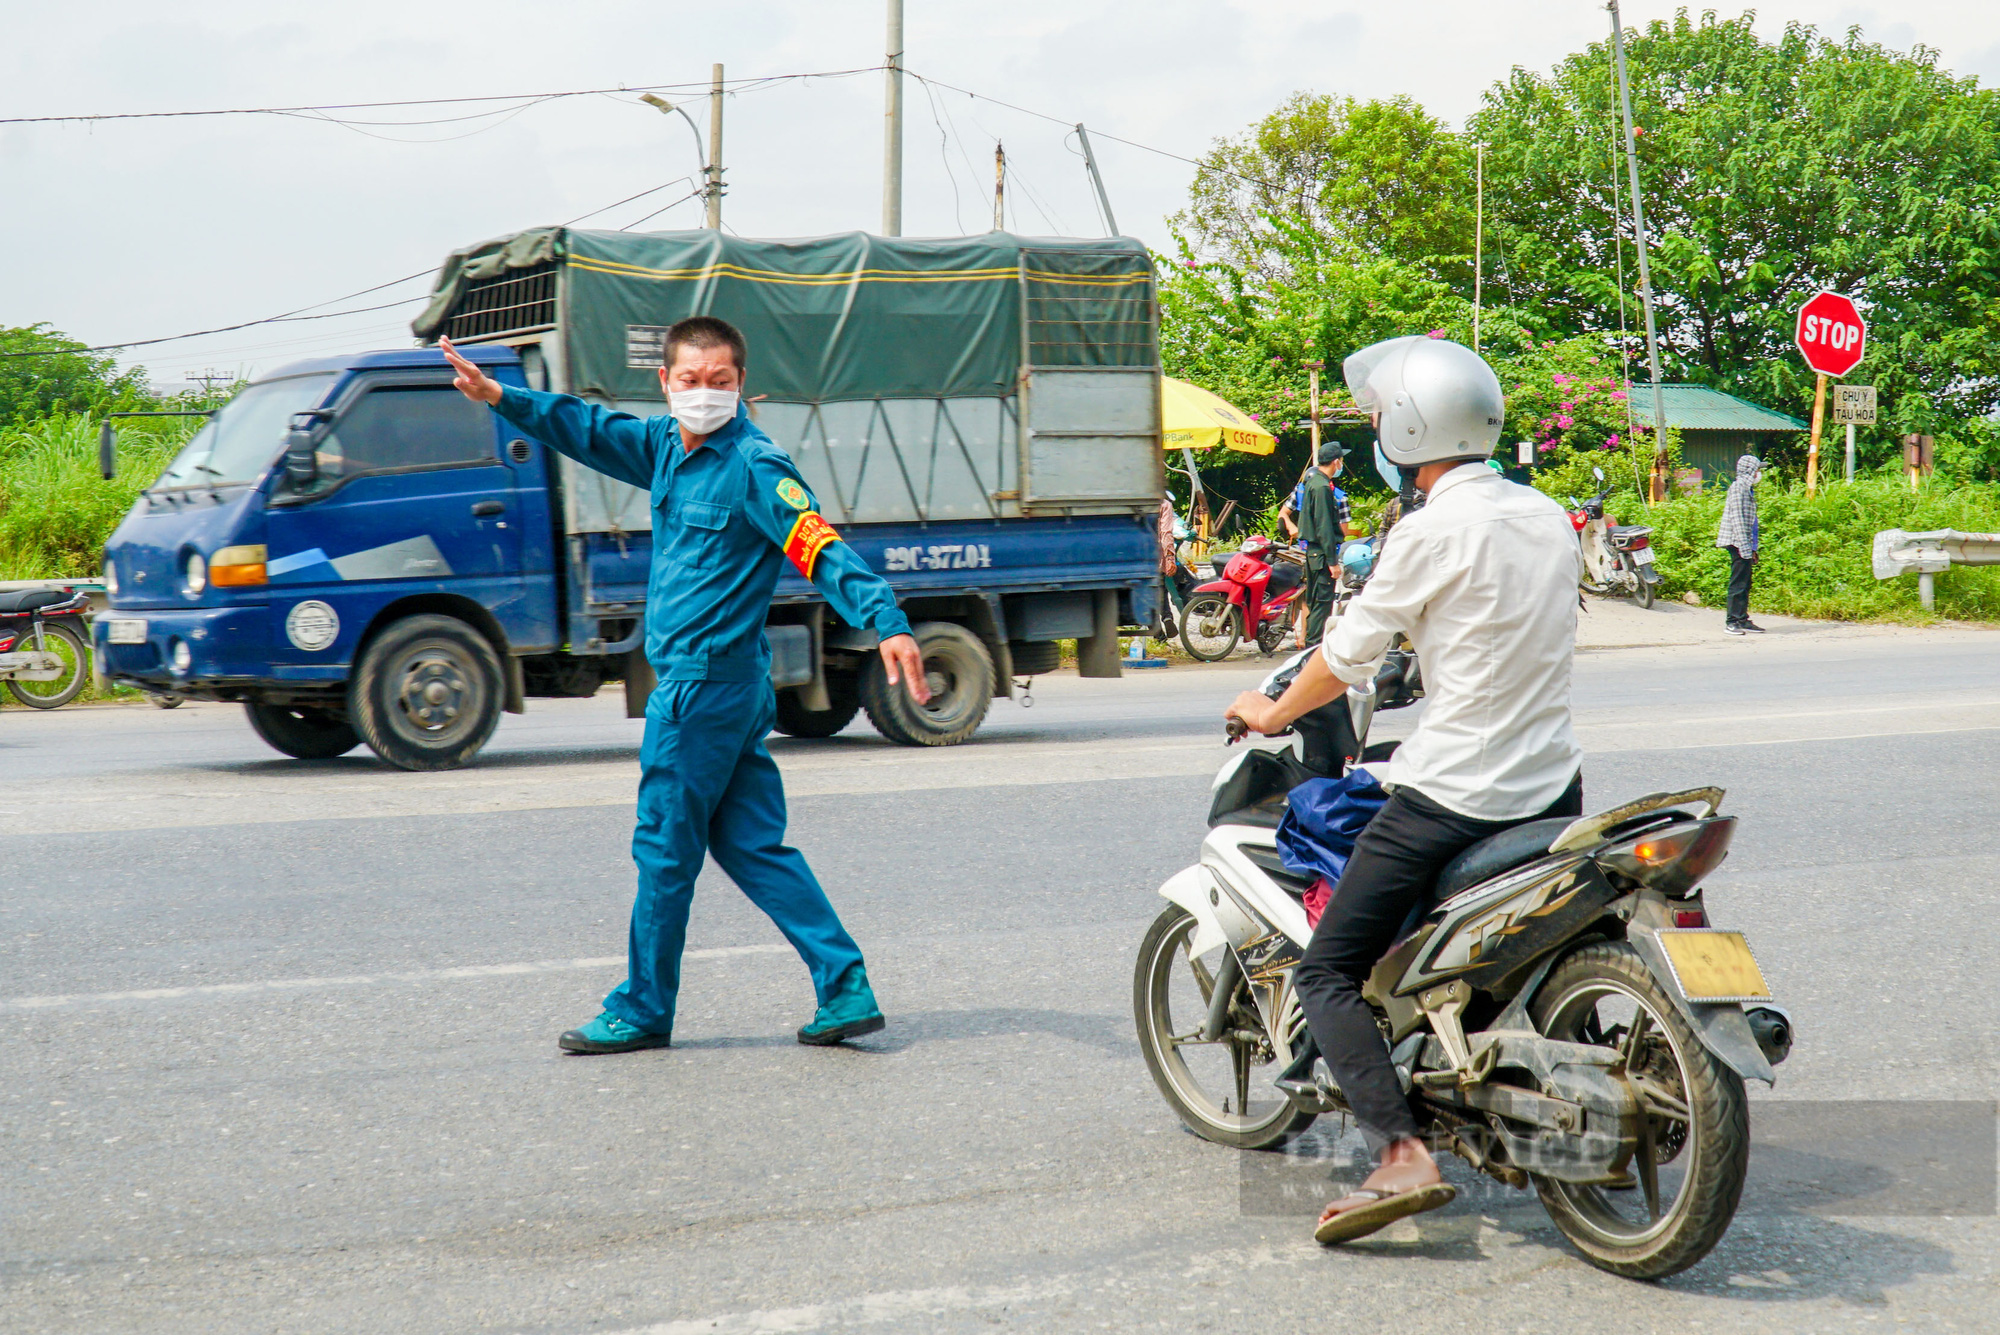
<point x="1097" y="181"/>
<point x="712" y="187"/>
<point x="1658" y="489"/>
<point x="1478" y="241"/>
<point x="999" y="186"/>
<point x="892" y="127"/>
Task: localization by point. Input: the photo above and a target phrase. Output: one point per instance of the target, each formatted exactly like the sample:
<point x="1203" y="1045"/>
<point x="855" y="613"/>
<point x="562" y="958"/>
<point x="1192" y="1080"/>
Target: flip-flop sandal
<point x="1384" y="1208"/>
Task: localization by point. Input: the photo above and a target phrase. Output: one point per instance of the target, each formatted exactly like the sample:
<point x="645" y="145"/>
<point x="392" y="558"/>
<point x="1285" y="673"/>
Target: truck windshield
<point x="240" y="441"/>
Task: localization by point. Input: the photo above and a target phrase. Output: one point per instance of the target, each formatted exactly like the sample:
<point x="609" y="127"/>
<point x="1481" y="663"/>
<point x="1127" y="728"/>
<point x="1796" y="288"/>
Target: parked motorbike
<point x="1617" y="558"/>
<point x="42" y="637"/>
<point x="1563" y="1015"/>
<point x="1253" y="599"/>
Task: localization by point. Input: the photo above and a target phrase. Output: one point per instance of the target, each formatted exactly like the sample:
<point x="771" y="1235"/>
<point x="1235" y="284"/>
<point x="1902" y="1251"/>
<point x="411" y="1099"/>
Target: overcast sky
<point x="135" y="229"/>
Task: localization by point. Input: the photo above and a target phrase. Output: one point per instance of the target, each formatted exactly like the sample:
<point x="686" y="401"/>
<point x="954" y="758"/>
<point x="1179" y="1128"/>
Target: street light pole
<point x="892" y="127"/>
<point x="1658" y="490"/>
<point x="999" y="186"/>
<point x="709" y="180"/>
<point x="712" y="187"/>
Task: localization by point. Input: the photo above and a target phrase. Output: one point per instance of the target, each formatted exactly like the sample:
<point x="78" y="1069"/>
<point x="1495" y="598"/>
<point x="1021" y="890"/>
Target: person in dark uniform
<point x="1324" y="519"/>
<point x="729" y="508"/>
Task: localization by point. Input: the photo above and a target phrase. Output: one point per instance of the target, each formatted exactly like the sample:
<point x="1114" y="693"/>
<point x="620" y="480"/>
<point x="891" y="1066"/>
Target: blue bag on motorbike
<point x="1323" y="818"/>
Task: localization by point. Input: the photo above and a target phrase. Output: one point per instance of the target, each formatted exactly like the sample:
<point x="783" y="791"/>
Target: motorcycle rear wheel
<point x="1698" y="1126"/>
<point x="67" y="646"/>
<point x="1642" y="589"/>
<point x="1170" y="992"/>
<point x="1210" y="627"/>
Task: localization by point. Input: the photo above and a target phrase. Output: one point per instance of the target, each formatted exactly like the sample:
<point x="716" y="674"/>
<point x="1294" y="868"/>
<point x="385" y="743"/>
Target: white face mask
<point x="703" y="411"/>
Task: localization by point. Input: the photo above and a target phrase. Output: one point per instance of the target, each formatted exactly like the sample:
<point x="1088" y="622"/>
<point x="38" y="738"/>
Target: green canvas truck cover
<point x="834" y="318"/>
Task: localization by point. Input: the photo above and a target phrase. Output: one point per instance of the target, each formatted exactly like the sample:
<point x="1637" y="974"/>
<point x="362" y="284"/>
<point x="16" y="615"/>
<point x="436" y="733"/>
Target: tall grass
<point x="55" y="511"/>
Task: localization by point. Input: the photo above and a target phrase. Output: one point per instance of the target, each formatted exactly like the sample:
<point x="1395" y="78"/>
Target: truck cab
<point x="344" y="520"/>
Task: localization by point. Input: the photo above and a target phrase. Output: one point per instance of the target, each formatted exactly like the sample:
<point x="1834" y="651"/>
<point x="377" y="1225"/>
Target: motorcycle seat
<point x="27" y="600"/>
<point x="1621" y="530"/>
<point x="1285" y="576"/>
<point x="1496" y="853"/>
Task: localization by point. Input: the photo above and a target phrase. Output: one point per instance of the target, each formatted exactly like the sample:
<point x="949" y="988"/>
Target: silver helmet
<point x="1438" y="399"/>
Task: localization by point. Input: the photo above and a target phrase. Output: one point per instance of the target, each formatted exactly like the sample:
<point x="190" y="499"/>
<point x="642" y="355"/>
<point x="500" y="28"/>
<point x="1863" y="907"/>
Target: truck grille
<point x="519" y="301"/>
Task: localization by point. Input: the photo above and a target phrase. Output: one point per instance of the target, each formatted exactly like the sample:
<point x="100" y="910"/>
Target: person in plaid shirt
<point x="1737" y="534"/>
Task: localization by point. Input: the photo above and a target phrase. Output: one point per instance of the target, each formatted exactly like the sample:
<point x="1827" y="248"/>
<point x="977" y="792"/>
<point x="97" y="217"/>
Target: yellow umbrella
<point x="1195" y="419"/>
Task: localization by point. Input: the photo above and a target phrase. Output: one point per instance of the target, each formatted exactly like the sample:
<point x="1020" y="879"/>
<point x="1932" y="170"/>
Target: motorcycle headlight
<point x="194" y="574"/>
<point x="1673" y="859"/>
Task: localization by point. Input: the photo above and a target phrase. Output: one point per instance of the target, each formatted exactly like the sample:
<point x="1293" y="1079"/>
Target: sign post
<point x="1854" y="405"/>
<point x="1832" y="337"/>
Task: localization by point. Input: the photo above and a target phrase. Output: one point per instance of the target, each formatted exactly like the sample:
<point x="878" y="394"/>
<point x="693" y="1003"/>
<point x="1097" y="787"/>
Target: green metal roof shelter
<point x="1715" y="427"/>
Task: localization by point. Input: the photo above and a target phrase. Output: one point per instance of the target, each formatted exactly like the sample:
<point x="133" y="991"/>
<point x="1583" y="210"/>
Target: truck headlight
<point x="111" y="578"/>
<point x="237" y="567"/>
<point x="194" y="574"/>
<point x="181" y="657"/>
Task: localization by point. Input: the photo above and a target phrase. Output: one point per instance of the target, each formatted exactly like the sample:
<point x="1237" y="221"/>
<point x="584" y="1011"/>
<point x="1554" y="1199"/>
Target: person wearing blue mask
<point x="729" y="508"/>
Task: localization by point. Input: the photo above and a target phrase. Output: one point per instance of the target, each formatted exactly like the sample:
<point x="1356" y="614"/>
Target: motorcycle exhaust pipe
<point x="1772" y="1027"/>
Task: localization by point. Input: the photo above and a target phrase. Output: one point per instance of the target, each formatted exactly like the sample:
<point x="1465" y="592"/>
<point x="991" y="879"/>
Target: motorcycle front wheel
<point x="1680" y="1191"/>
<point x="1210" y="627"/>
<point x="1220" y="1089"/>
<point x="68" y="648"/>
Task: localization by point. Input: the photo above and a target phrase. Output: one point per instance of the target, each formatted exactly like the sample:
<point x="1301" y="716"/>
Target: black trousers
<point x="1740" y="568"/>
<point x="1318" y="594"/>
<point x="1395" y="865"/>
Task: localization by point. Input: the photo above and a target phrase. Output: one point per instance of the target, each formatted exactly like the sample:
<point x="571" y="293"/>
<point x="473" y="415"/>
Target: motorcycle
<point x="43" y="658"/>
<point x="1253" y="599"/>
<point x="1563" y="1014"/>
<point x="1617" y="558"/>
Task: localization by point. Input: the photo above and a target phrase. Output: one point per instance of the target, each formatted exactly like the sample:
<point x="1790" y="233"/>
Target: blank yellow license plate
<point x="1713" y="965"/>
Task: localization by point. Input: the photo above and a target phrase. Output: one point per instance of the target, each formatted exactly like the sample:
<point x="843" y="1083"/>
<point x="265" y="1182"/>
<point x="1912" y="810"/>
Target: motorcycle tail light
<point x="1638" y="542"/>
<point x="1673" y="859"/>
<point x="236" y="567"/>
<point x="1686" y="918"/>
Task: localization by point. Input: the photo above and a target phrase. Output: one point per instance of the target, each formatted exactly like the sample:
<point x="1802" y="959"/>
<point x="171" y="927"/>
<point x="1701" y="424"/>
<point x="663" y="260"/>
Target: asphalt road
<point x="277" y="1040"/>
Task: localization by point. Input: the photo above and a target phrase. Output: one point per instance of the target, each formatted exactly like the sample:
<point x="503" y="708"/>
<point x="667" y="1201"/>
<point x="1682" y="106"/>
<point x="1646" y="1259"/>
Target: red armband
<point x="809" y="537"/>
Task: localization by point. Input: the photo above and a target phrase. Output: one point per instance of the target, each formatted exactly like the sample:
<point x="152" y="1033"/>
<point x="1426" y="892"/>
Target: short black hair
<point x="704" y="331"/>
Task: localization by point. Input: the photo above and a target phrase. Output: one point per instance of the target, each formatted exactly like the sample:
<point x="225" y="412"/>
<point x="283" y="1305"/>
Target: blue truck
<point x="354" y="551"/>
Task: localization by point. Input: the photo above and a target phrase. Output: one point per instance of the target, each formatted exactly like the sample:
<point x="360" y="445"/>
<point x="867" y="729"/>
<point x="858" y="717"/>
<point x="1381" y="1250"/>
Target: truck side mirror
<point x="107" y="450"/>
<point x="301" y="456"/>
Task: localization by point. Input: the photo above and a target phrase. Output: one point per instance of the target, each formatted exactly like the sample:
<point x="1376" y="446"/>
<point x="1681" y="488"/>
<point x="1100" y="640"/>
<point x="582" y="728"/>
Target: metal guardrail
<point x="1899" y="553"/>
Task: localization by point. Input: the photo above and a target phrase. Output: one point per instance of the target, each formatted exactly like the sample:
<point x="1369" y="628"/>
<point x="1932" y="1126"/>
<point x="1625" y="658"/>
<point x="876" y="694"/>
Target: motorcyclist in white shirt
<point x="1482" y="579"/>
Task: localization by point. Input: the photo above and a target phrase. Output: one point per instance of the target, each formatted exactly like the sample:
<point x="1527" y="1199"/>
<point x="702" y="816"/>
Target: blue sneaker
<point x="849" y="1013"/>
<point x="609" y="1033"/>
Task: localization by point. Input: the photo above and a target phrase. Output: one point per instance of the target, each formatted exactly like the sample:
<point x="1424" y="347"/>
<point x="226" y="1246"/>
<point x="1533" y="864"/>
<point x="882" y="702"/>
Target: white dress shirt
<point x="1483" y="581"/>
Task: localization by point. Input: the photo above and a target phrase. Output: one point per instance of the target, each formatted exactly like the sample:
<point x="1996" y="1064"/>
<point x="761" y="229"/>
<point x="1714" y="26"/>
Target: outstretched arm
<point x="613" y="443"/>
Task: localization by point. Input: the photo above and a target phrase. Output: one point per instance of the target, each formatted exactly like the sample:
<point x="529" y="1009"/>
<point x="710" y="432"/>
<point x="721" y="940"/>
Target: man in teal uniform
<point x="728" y="508"/>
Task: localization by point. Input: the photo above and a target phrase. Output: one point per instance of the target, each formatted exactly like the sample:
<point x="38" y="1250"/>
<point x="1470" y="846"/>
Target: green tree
<point x="1382" y="179"/>
<point x="55" y="376"/>
<point x="1770" y="170"/>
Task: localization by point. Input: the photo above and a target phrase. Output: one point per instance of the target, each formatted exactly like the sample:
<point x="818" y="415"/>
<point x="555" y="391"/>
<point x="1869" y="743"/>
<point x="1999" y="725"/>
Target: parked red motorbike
<point x="42" y="637"/>
<point x="1254" y="599"/>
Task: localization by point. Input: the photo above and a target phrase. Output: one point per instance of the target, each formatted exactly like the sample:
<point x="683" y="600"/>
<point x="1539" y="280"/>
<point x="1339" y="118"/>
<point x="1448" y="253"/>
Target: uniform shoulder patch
<point x="792" y="494"/>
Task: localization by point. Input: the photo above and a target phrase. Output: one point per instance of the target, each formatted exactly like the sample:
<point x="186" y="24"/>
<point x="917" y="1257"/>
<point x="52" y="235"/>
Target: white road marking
<point x="868" y="1310"/>
<point x="363" y="980"/>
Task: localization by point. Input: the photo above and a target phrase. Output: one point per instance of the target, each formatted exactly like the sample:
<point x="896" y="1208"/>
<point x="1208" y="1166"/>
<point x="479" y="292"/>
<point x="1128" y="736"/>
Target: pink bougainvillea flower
<point x="1560" y="378"/>
<point x="1618" y="394"/>
<point x="1610" y="441"/>
<point x="1565" y="422"/>
<point x="1548" y="449"/>
<point x="1437" y="333"/>
<point x="1256" y="417"/>
<point x="1566" y="407"/>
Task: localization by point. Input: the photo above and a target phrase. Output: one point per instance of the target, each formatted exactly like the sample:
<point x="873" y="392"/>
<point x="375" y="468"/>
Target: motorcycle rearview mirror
<point x="107" y="450"/>
<point x="1597" y="473"/>
<point x="301" y="440"/>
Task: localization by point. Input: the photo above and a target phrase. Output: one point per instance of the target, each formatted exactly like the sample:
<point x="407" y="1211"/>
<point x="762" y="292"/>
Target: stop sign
<point x="1831" y="334"/>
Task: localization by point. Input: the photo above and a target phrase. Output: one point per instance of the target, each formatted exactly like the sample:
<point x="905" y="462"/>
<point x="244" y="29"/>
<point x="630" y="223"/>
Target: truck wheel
<point x="960" y="673"/>
<point x="427" y="693"/>
<point x="298" y="731"/>
<point x="795" y="720"/>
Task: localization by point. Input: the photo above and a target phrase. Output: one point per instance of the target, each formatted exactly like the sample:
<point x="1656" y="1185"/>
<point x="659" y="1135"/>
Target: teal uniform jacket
<point x="725" y="519"/>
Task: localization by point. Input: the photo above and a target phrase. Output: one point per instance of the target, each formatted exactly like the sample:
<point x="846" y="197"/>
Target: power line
<point x="741" y="85"/>
<point x="298" y="315"/>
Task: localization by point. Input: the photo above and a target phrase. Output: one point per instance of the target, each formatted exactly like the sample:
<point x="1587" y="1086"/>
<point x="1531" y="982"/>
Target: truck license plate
<point x="127" y="632"/>
<point x="1644" y="556"/>
<point x="1713" y="965"/>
